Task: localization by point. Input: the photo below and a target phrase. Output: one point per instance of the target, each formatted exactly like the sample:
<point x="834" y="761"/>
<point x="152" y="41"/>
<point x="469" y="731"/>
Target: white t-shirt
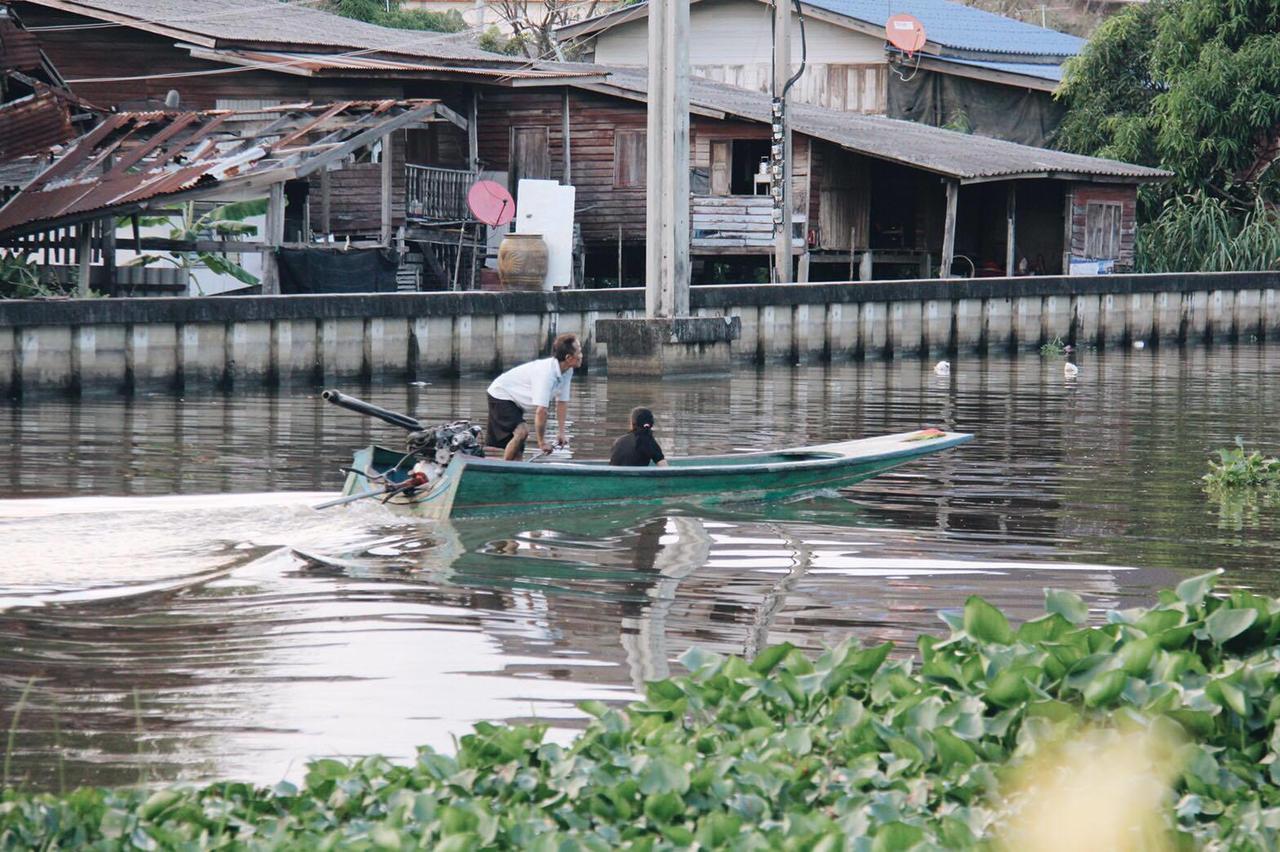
<point x="533" y="384"/>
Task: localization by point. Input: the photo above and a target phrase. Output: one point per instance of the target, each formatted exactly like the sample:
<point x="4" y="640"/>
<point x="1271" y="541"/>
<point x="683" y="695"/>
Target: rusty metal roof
<point x="962" y="156"/>
<point x="313" y="64"/>
<point x="289" y="26"/>
<point x="34" y="123"/>
<point x="19" y="49"/>
<point x="137" y="160"/>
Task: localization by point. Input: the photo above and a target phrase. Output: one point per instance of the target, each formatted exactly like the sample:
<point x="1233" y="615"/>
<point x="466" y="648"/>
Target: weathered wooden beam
<point x="274" y="236"/>
<point x="473" y="133"/>
<point x="949" y="229"/>
<point x="386" y="191"/>
<point x="567" y="176"/>
<point x="325" y="194"/>
<point x="84" y="256"/>
<point x="1011" y="208"/>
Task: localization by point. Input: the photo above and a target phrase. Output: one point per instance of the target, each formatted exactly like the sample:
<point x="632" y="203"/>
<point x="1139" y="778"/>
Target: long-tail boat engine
<point x="435" y="448"/>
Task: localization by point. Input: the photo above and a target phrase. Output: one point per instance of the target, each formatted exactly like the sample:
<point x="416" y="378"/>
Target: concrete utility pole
<point x="667" y="160"/>
<point x="668" y="341"/>
<point x="780" y="147"/>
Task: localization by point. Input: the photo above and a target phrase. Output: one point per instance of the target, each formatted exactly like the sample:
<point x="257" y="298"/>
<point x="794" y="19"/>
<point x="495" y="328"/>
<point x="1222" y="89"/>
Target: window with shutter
<point x="629" y="154"/>
<point x="1102" y="230"/>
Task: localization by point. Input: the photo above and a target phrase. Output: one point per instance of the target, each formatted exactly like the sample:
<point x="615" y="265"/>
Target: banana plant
<point x="223" y="221"/>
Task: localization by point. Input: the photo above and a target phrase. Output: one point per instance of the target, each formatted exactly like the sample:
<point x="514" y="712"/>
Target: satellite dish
<point x="905" y="32"/>
<point x="491" y="203"/>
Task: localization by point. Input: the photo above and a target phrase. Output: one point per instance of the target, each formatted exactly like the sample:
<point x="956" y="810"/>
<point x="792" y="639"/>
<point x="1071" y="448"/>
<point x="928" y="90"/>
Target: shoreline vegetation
<point x="1154" y="730"/>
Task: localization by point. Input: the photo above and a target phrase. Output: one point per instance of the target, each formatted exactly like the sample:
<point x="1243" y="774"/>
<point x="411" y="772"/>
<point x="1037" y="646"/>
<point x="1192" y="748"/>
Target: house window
<point x="1102" y="230"/>
<point x="629" y="154"/>
<point x="735" y="166"/>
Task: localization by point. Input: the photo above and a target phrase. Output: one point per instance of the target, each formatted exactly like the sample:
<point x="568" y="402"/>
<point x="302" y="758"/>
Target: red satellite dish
<point x="905" y="32"/>
<point x="491" y="203"/>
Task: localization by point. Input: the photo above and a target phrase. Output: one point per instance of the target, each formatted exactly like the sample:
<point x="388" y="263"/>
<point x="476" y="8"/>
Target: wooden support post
<point x="619" y="255"/>
<point x="949" y="229"/>
<point x="473" y="133"/>
<point x="274" y="236"/>
<point x="567" y="171"/>
<point x="109" y="252"/>
<point x="137" y="233"/>
<point x="84" y="257"/>
<point x="387" y="162"/>
<point x="667" y="159"/>
<point x="1011" y="208"/>
<point x="326" y="184"/>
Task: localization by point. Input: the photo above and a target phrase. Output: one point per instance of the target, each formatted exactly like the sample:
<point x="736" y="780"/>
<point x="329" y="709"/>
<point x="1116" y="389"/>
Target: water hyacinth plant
<point x="1155" y="730"/>
<point x="1237" y="468"/>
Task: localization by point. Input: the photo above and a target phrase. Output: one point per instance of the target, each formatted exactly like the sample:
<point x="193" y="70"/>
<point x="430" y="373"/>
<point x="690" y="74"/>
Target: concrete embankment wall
<point x="114" y="345"/>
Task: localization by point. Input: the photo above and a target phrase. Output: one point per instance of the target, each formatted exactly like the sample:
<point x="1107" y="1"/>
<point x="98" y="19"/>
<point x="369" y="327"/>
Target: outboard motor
<point x="435" y="448"/>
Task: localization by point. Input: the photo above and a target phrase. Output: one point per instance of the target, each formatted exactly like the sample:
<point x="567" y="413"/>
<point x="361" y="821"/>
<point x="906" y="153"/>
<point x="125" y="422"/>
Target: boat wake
<point x="87" y="549"/>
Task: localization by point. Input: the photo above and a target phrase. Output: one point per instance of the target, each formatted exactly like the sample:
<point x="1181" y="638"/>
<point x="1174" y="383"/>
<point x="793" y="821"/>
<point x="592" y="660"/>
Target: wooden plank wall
<point x="355" y="196"/>
<point x="848" y="88"/>
<point x="602" y="208"/>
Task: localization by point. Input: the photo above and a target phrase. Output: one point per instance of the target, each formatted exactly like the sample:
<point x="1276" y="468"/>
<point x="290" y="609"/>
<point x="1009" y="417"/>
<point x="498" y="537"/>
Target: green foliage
<point x="1201" y="233"/>
<point x="391" y="15"/>
<point x="223" y="221"/>
<point x="1054" y="348"/>
<point x="495" y="41"/>
<point x="22" y="278"/>
<point x="851" y="749"/>
<point x="1192" y="86"/>
<point x="1237" y="468"/>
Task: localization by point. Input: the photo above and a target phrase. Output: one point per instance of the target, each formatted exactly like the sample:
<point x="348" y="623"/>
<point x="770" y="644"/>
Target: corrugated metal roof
<point x="943" y="152"/>
<point x="319" y="62"/>
<point x="133" y="158"/>
<point x="34" y="123"/>
<point x="952" y="26"/>
<point x="1041" y="71"/>
<point x="248" y="22"/>
<point x="959" y="26"/>
<point x="19" y="49"/>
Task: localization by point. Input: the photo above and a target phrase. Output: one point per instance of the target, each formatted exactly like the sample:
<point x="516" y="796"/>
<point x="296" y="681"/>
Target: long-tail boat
<point x="440" y="482"/>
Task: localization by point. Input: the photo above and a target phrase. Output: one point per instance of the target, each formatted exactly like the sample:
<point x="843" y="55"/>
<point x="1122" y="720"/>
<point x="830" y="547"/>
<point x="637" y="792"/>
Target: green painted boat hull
<point x="481" y="487"/>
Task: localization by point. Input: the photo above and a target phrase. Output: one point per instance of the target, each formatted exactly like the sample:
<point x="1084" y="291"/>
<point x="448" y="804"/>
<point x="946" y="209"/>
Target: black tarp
<point x="322" y="270"/>
<point x="1026" y="116"/>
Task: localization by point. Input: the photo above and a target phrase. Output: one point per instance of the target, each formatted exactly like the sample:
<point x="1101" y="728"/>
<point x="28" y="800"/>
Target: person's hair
<point x="564" y="345"/>
<point x="641" y="418"/>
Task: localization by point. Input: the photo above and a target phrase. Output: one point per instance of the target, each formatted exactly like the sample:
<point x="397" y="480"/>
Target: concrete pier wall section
<point x="156" y="344"/>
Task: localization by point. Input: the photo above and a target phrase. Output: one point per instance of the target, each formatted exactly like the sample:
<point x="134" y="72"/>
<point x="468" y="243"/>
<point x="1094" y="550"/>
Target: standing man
<point x="531" y="387"/>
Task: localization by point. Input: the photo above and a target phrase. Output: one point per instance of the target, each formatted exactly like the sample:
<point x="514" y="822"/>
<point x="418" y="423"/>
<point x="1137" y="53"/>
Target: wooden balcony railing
<point x="733" y="223"/>
<point x="437" y="195"/>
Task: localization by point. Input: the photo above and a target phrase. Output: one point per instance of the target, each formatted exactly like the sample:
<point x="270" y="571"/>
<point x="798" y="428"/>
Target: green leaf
<point x="868" y="661"/>
<point x="1105" y="688"/>
<point x="985" y="623"/>
<point x="1069" y="605"/>
<point x="662" y="808"/>
<point x="1010" y="687"/>
<point x="1225" y="623"/>
<point x="1192" y="591"/>
<point x="1224" y="693"/>
<point x="769" y="658"/>
<point x="662" y="774"/>
<point x="798" y="741"/>
<point x="952" y="750"/>
<point x="896" y="837"/>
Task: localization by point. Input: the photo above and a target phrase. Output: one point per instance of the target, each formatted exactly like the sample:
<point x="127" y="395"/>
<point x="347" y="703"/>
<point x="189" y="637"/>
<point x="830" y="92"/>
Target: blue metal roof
<point x="959" y="26"/>
<point x="1050" y="72"/>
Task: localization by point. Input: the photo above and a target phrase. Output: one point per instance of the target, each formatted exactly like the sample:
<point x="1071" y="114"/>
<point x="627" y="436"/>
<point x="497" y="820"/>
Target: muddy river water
<point x="157" y="624"/>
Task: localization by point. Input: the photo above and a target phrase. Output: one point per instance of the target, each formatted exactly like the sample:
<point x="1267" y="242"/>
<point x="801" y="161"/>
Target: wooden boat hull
<point x="479" y="487"/>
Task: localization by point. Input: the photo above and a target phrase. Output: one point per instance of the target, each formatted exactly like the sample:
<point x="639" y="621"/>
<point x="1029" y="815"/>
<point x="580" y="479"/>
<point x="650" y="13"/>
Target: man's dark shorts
<point x="504" y="417"/>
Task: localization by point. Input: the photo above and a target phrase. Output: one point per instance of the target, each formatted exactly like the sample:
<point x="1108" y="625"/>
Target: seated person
<point x="638" y="447"/>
